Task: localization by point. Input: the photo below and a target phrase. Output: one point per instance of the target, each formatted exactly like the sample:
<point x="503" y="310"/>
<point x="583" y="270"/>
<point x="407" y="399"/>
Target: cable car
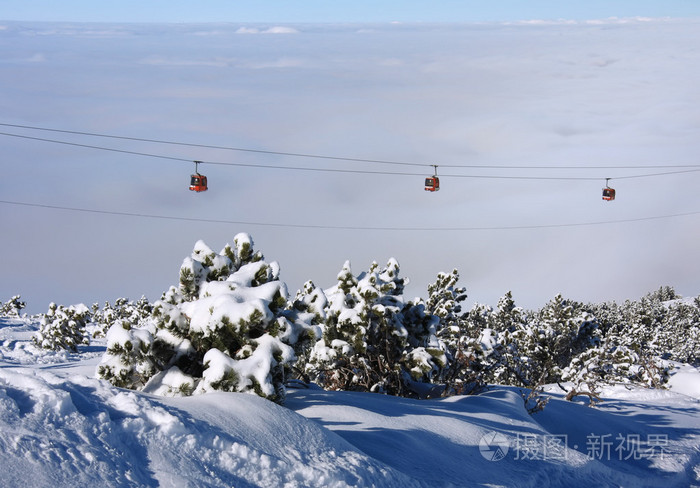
<point x="608" y="193"/>
<point x="198" y="182"/>
<point x="432" y="183"/>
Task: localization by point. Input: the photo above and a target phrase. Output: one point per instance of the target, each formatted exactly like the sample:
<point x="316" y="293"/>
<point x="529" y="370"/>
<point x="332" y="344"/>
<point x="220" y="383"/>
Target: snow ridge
<point x="79" y="431"/>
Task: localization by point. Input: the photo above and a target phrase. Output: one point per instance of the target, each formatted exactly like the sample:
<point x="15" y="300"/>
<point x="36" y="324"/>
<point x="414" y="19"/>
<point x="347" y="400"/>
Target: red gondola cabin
<point x="432" y="183"/>
<point x="198" y="182"/>
<point x="608" y="194"/>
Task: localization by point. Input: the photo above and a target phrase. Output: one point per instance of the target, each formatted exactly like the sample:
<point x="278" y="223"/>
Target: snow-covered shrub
<point x="555" y="334"/>
<point x="498" y="334"/>
<point x="680" y="336"/>
<point x="605" y="364"/>
<point x="129" y="313"/>
<point x="444" y="301"/>
<point x="12" y="307"/>
<point x="635" y="336"/>
<point x="676" y="332"/>
<point x="462" y="363"/>
<point x="63" y="328"/>
<point x="129" y="361"/>
<point x="372" y="339"/>
<point x="660" y="324"/>
<point x="527" y="349"/>
<point x="641" y="322"/>
<point x="614" y="364"/>
<point x="226" y="327"/>
<point x="507" y="316"/>
<point x="309" y="305"/>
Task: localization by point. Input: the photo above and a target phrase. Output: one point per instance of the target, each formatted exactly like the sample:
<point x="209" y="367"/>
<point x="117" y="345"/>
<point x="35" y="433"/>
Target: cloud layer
<point x="604" y="94"/>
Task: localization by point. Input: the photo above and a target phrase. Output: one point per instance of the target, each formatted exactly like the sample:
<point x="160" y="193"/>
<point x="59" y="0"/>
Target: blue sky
<point x="339" y="10"/>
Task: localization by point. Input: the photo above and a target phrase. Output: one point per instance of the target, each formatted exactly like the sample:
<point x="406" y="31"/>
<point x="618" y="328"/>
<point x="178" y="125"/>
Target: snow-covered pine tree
<point x="660" y="324"/>
<point x="129" y="361"/>
<point x="385" y="337"/>
<point x="123" y="310"/>
<point x="424" y="358"/>
<point x="334" y="358"/>
<point x="309" y="305"/>
<point x="546" y="343"/>
<point x="445" y="301"/>
<point x="637" y="335"/>
<point x="226" y="327"/>
<point x="608" y="314"/>
<point x="664" y="294"/>
<point x="562" y="330"/>
<point x="372" y="340"/>
<point x="672" y="326"/>
<point x="641" y="320"/>
<point x="679" y="337"/>
<point x="504" y="362"/>
<point x="611" y="363"/>
<point x="129" y="332"/>
<point x="63" y="328"/>
<point x="12" y="307"/>
<point x="606" y="364"/>
<point x="507" y="316"/>
<point x="462" y="367"/>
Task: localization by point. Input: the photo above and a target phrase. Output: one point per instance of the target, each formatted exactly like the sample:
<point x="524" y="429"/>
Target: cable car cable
<point x="339" y="158"/>
<point x="89" y="146"/>
<point x="218" y="163"/>
<point x="345" y="227"/>
<point x="335" y="170"/>
<point x="226" y="148"/>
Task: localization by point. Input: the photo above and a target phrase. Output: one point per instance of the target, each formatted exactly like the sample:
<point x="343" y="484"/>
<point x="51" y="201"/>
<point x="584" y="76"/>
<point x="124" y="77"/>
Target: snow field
<point x="79" y="431"/>
<point x="62" y="427"/>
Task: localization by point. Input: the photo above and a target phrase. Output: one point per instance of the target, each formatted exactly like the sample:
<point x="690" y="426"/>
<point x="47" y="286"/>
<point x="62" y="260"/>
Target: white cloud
<point x="270" y="30"/>
<point x="281" y="30"/>
<point x="248" y="30"/>
<point x="604" y="21"/>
